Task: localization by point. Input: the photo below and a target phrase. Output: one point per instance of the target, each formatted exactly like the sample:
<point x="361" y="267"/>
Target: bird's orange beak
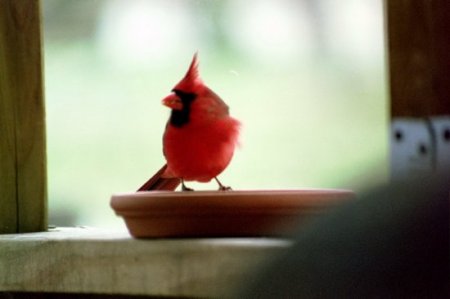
<point x="173" y="101"/>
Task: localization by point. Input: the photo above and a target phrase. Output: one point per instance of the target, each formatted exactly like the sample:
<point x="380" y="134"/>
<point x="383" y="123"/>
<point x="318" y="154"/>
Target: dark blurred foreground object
<point x="391" y="243"/>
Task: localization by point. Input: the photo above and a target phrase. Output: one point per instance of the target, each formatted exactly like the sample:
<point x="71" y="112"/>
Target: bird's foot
<point x="184" y="188"/>
<point x="225" y="188"/>
<point x="221" y="186"/>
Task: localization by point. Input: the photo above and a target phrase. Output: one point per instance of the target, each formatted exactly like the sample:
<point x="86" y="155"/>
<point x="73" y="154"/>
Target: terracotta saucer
<point x="151" y="214"/>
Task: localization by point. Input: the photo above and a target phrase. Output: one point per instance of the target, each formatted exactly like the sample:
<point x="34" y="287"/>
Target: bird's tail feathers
<point x="159" y="182"/>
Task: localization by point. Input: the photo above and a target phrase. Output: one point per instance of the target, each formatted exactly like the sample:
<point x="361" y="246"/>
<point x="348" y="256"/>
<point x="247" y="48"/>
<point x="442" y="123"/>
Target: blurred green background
<point x="306" y="78"/>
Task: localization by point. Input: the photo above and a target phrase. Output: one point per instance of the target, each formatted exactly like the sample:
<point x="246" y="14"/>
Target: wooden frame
<point x="419" y="57"/>
<point x="419" y="68"/>
<point x="23" y="187"/>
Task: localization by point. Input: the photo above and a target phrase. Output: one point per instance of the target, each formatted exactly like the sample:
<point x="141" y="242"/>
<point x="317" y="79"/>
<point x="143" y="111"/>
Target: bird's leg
<point x="184" y="188"/>
<point x="222" y="187"/>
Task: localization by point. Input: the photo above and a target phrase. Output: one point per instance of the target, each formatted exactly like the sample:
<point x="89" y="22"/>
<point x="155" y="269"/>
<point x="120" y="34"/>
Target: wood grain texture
<point x="419" y="57"/>
<point x="22" y="119"/>
<point x="82" y="260"/>
<point x="8" y="174"/>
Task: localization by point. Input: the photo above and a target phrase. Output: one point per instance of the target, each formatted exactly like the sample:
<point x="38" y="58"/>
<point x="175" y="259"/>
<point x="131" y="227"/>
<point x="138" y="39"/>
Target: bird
<point x="200" y="136"/>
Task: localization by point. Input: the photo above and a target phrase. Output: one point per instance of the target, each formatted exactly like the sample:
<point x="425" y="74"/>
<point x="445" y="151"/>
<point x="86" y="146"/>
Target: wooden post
<point x="419" y="57"/>
<point x="23" y="190"/>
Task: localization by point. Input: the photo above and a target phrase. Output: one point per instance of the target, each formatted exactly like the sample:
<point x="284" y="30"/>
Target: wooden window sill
<point x="89" y="260"/>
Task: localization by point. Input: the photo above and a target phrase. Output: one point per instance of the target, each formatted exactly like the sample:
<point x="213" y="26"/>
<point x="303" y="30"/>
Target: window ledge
<point x="88" y="260"/>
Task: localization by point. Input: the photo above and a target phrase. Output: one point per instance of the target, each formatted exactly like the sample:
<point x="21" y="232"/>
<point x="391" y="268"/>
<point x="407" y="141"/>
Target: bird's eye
<point x="186" y="97"/>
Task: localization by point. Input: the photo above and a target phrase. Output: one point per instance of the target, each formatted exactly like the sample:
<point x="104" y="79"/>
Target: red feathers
<point x="200" y="153"/>
<point x="202" y="146"/>
<point x="200" y="135"/>
<point x="191" y="80"/>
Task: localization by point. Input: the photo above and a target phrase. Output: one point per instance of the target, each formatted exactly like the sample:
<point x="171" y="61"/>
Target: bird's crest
<point x="192" y="77"/>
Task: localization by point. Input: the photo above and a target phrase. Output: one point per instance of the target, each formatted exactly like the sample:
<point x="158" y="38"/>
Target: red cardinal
<point x="200" y="135"/>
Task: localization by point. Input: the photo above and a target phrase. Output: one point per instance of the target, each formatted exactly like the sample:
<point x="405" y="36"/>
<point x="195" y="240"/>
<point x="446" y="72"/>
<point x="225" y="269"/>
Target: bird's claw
<point x="222" y="187"/>
<point x="225" y="188"/>
<point x="184" y="188"/>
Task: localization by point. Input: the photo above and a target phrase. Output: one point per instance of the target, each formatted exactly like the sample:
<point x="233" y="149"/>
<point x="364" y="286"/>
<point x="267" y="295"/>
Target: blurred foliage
<point x="305" y="78"/>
